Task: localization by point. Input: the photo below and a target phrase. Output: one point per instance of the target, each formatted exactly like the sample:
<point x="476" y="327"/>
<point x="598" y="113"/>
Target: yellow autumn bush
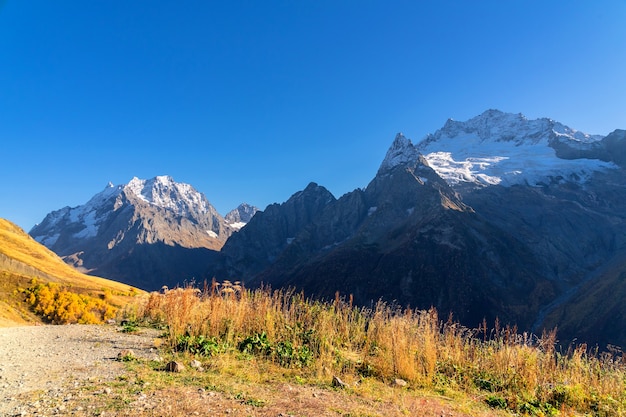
<point x="58" y="305"/>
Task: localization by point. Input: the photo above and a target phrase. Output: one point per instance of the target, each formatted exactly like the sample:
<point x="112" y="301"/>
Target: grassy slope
<point x="22" y="259"/>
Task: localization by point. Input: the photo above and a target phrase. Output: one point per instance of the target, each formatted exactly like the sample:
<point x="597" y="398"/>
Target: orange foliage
<point x="60" y="306"/>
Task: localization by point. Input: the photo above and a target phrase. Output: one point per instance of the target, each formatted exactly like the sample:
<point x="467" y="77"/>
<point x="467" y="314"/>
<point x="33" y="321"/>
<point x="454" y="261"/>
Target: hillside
<point x="23" y="260"/>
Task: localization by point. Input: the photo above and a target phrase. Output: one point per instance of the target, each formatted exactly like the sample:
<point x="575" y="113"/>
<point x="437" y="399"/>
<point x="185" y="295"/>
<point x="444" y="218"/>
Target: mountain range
<point x="495" y="217"/>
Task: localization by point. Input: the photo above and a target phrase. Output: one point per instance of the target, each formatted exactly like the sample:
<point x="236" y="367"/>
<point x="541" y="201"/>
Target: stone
<point x="400" y="382"/>
<point x="174" y="366"/>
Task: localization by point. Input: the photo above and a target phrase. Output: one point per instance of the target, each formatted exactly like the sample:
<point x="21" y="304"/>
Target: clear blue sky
<point x="252" y="100"/>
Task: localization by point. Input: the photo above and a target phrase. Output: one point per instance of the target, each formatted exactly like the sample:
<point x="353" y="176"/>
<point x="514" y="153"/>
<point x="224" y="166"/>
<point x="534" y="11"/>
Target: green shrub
<point x="198" y="345"/>
<point x="130" y="326"/>
<point x="256" y="344"/>
<point x="495" y="401"/>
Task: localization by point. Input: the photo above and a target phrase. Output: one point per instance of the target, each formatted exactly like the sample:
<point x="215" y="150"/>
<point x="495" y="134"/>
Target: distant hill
<point x="23" y="260"/>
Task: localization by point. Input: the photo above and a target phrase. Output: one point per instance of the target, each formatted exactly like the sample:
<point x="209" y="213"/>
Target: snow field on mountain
<point x="158" y="191"/>
<point x="468" y="158"/>
<point x="497" y="148"/>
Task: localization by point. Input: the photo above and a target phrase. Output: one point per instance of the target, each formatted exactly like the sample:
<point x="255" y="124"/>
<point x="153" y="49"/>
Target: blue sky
<point x="252" y="100"/>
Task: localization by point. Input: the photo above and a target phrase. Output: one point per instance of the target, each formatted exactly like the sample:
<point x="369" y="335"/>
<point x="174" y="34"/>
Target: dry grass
<point x="314" y="340"/>
<point x="24" y="264"/>
<point x="18" y="245"/>
<point x="260" y="340"/>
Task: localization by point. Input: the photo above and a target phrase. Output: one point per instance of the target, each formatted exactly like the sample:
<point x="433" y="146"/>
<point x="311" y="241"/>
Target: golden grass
<point x="26" y="264"/>
<point x="520" y="373"/>
<point x="18" y="245"/>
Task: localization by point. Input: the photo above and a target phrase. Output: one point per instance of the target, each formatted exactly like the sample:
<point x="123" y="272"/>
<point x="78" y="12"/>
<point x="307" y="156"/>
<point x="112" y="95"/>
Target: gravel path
<point x="66" y="370"/>
<point x="52" y="359"/>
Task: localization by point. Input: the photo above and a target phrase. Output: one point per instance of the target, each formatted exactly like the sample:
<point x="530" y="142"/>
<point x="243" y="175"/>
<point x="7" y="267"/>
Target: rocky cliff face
<point x="270" y="231"/>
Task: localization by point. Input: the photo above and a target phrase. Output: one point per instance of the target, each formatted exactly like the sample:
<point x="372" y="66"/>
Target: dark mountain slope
<point x="270" y="231"/>
<point x="418" y="245"/>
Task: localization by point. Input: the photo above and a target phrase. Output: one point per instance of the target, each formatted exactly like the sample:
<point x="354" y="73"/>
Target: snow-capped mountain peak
<point x="495" y="125"/>
<point x="179" y="204"/>
<point x="133" y="229"/>
<point x="501" y="148"/>
<point x="239" y="217"/>
<point x="164" y="192"/>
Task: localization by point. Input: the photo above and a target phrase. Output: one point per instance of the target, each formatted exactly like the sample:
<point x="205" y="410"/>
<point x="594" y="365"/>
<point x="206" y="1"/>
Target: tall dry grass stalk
<point x="388" y="342"/>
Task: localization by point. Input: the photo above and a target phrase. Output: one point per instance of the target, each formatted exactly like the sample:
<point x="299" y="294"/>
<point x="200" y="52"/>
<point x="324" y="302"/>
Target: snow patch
<point x="162" y="191"/>
<point x="466" y="158"/>
<point x="371" y="210"/>
<point x="91" y="223"/>
<point x="211" y="233"/>
<point x="237" y="225"/>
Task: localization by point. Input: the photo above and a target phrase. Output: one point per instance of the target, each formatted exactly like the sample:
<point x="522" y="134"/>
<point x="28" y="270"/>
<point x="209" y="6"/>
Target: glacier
<point x="497" y="148"/>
